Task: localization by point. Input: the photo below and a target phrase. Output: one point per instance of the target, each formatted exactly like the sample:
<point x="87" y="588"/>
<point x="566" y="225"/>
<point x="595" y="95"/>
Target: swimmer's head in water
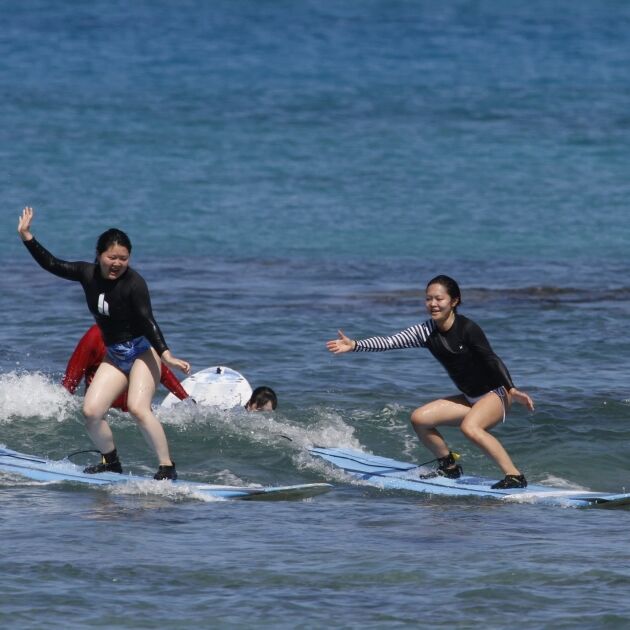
<point x="262" y="399"/>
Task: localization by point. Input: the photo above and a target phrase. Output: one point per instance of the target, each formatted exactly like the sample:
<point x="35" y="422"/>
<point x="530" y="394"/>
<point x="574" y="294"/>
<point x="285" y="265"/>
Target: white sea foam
<point x="561" y="483"/>
<point x="325" y="427"/>
<point x="170" y="491"/>
<point x="29" y="394"/>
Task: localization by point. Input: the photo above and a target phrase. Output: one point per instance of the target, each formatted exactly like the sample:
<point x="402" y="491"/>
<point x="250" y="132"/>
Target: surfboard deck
<point x="216" y="386"/>
<point x="46" y="470"/>
<point x="390" y="474"/>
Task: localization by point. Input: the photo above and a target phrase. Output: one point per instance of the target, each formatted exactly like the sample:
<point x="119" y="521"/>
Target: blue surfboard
<point x="390" y="474"/>
<point x="46" y="470"/>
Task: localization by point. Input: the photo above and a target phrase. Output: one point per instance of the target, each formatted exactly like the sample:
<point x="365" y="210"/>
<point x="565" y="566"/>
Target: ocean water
<point x="286" y="169"/>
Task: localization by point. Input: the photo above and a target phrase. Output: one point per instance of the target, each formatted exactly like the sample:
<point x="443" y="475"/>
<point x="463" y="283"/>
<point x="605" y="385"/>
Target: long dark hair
<point x="110" y="237"/>
<point x="452" y="288"/>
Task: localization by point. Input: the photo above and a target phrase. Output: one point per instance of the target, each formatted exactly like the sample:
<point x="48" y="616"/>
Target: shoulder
<point x="134" y="280"/>
<point x="88" y="270"/>
<point x="465" y="322"/>
<point x="425" y="329"/>
<point x="428" y="325"/>
<point x="469" y="328"/>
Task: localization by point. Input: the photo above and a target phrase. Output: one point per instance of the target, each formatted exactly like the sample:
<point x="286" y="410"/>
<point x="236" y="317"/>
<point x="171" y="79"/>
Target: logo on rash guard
<point x="103" y="306"/>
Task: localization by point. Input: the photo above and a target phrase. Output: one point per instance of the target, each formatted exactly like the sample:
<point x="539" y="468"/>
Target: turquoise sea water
<point x="285" y="169"/>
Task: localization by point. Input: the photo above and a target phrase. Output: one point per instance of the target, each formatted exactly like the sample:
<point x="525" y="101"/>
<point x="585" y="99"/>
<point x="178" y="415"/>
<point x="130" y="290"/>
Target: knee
<point x="470" y="430"/>
<point x="90" y="413"/>
<point x="138" y="410"/>
<point x="420" y="418"/>
<point x="134" y="408"/>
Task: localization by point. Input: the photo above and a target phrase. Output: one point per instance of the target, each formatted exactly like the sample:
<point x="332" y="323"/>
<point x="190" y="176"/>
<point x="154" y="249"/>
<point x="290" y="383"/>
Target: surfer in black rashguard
<point x="486" y="387"/>
<point x="118" y="298"/>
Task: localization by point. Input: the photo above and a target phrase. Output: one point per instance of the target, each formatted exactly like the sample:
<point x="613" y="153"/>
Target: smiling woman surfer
<point x="463" y="350"/>
<point x="118" y="298"/>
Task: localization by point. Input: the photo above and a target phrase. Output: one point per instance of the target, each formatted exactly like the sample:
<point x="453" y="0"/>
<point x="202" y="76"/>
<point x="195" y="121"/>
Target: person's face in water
<point x="113" y="262"/>
<point x="268" y="406"/>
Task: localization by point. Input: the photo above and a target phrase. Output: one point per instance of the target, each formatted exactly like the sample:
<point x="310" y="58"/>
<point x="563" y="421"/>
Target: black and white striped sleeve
<point x="413" y="337"/>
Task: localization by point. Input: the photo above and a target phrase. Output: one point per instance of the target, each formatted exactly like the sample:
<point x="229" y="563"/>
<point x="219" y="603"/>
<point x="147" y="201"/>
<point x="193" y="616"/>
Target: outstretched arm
<point x="413" y="337"/>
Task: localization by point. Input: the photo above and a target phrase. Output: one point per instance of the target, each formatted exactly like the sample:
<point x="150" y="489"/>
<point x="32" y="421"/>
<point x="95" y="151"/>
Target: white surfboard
<point x="216" y="386"/>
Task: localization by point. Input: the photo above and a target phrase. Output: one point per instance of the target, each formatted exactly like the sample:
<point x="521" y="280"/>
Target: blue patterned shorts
<point x="122" y="355"/>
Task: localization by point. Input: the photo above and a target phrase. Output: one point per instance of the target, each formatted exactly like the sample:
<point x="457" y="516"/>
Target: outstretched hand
<point x="523" y="398"/>
<point x="24" y="224"/>
<point x="343" y="344"/>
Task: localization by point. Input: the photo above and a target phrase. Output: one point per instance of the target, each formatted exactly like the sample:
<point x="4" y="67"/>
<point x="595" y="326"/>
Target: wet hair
<point x="110" y="237"/>
<point x="260" y="397"/>
<point x="452" y="288"/>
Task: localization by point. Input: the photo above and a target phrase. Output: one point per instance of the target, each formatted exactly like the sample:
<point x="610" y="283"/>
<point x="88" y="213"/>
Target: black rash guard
<point x="121" y="307"/>
<point x="463" y="350"/>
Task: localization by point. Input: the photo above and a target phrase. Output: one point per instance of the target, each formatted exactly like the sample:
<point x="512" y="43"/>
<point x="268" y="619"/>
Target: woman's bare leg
<point x="483" y="416"/>
<point x="143" y="379"/>
<point x="108" y="383"/>
<point x="448" y="411"/>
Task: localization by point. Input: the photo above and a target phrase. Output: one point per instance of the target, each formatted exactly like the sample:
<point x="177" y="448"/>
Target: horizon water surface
<point x="284" y="170"/>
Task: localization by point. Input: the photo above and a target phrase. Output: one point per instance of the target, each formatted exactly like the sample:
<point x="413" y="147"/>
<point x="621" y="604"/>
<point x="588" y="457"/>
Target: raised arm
<point x="61" y="268"/>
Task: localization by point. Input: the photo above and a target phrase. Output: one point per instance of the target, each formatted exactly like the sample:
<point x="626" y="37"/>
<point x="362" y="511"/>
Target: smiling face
<point x="440" y="305"/>
<point x="113" y="262"/>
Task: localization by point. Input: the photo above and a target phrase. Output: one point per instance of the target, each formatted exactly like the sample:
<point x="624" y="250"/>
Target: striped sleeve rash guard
<point x="463" y="351"/>
<point x="121" y="307"/>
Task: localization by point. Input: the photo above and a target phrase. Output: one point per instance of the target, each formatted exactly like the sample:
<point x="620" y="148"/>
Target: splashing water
<point x="24" y="395"/>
